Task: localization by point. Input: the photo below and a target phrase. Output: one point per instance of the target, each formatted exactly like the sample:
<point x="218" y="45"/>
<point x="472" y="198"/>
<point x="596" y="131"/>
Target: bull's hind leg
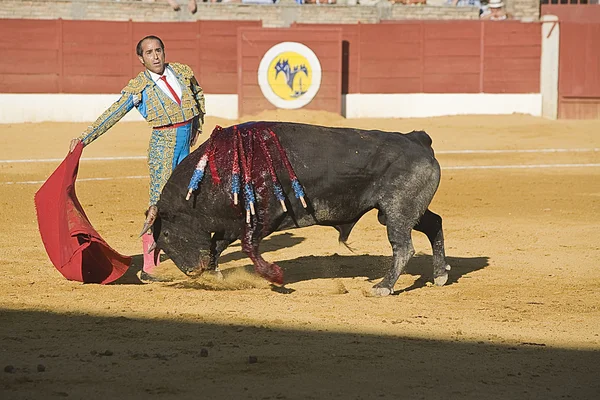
<point x="402" y="250"/>
<point x="431" y="225"/>
<point x="398" y="231"/>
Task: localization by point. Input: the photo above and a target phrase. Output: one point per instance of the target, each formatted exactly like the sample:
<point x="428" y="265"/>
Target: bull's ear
<point x="150" y="218"/>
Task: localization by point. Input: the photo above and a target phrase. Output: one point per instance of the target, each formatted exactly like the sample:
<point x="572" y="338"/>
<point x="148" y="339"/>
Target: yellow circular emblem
<point x="289" y="75"/>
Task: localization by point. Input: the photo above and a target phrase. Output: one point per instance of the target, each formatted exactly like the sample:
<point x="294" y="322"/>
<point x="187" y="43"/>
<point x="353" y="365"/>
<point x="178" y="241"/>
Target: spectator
<point x="192" y="6"/>
<point x="495" y="11"/>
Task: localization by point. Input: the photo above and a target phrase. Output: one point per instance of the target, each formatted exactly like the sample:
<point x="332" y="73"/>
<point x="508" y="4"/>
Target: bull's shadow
<point x="270" y="243"/>
<point x="306" y="268"/>
<point x="373" y="267"/>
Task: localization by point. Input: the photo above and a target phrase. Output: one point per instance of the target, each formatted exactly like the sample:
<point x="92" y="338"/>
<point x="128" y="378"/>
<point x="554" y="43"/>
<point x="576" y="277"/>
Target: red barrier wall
<point x="578" y="79"/>
<point x="32" y="60"/>
<point x="59" y="56"/>
<point x="99" y="56"/>
<point x="511" y="55"/>
<point x="441" y="57"/>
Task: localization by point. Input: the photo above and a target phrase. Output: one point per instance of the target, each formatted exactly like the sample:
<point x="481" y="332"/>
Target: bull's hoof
<point x="216" y="273"/>
<point x="440" y="280"/>
<point x="194" y="273"/>
<point x="380" y="291"/>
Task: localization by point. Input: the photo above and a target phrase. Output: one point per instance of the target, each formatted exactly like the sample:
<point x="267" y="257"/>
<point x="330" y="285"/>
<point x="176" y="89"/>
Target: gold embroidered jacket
<point x="155" y="106"/>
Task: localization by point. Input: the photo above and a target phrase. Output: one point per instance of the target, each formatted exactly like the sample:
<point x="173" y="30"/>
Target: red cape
<point x="73" y="245"/>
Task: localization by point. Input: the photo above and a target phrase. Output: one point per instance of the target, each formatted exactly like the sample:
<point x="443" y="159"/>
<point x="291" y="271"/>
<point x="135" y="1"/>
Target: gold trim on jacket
<point x="155" y="106"/>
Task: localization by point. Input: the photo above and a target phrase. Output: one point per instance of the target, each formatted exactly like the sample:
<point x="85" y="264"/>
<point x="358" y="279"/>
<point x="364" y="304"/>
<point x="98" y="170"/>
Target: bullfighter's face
<point x="188" y="247"/>
<point x="153" y="56"/>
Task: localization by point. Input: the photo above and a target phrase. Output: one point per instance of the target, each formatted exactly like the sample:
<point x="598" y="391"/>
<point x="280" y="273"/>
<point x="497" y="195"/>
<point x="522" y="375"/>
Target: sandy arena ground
<point x="519" y="319"/>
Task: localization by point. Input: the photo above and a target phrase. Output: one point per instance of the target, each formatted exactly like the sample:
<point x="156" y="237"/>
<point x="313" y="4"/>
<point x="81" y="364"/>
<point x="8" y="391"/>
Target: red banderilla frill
<point x="242" y="165"/>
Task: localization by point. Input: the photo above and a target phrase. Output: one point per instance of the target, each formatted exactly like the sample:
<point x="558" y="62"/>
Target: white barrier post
<point x="549" y="66"/>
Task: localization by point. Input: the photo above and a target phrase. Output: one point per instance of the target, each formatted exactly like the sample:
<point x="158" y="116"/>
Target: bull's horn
<point x="150" y="217"/>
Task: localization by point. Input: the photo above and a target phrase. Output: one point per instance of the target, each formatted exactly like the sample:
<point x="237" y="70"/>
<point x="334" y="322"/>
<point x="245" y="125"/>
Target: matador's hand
<point x="73" y="144"/>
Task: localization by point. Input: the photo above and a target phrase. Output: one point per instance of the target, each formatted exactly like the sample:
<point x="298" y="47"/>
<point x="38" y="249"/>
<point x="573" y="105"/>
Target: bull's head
<point x="179" y="236"/>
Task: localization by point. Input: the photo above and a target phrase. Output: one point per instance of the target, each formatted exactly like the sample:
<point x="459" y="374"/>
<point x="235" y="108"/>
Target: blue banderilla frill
<point x="197" y="176"/>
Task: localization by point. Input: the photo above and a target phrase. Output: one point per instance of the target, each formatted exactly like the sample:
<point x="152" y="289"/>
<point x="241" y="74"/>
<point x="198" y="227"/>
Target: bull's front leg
<point x="218" y="244"/>
<point x="431" y="225"/>
<point x="270" y="271"/>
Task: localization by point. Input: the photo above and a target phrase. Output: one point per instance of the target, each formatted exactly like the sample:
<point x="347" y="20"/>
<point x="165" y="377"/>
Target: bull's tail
<point x="344" y="231"/>
<point x="346" y="245"/>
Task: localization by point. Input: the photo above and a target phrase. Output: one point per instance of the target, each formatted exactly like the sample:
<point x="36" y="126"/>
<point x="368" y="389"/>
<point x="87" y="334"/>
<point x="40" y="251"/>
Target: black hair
<point x="138" y="48"/>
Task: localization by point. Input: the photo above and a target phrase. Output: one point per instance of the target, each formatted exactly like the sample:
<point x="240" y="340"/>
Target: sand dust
<point x="519" y="319"/>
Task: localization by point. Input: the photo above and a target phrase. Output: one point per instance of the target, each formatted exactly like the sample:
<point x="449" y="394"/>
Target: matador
<point x="169" y="97"/>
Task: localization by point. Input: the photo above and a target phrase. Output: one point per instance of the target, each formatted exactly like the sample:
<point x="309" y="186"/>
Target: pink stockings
<point x="152" y="260"/>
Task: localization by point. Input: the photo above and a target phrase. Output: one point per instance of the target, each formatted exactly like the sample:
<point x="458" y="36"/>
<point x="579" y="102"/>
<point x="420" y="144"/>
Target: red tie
<point x="164" y="79"/>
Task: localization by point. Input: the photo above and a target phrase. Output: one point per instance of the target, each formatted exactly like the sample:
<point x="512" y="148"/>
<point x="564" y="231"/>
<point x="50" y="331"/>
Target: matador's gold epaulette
<point x="182" y="69"/>
<point x="137" y="84"/>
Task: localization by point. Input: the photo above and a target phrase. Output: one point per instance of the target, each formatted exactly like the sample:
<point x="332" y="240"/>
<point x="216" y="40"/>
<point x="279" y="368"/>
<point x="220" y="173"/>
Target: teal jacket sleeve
<point x="108" y="118"/>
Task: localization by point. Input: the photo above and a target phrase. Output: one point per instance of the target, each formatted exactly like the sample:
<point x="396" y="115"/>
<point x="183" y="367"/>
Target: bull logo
<point x="289" y="75"/>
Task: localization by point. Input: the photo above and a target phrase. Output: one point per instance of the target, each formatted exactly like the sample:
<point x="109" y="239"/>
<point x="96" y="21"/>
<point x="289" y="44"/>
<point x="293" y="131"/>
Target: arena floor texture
<point x="519" y="318"/>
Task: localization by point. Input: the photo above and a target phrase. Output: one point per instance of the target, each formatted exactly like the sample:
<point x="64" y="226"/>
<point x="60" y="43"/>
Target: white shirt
<point x="172" y="81"/>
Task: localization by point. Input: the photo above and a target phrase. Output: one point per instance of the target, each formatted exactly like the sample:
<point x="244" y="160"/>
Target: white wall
<point x="432" y="104"/>
<point x="18" y="108"/>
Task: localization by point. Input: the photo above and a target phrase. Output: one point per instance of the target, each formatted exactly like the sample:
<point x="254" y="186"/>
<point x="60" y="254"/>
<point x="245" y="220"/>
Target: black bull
<point x="345" y="173"/>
